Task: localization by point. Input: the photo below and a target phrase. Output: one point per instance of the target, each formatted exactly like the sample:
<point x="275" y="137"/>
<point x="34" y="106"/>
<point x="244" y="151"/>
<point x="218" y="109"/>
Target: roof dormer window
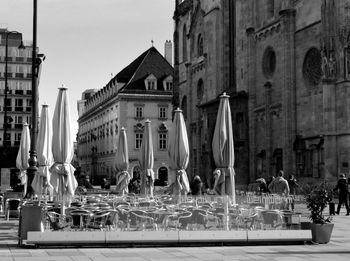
<point x="168" y="83"/>
<point x="151" y="82"/>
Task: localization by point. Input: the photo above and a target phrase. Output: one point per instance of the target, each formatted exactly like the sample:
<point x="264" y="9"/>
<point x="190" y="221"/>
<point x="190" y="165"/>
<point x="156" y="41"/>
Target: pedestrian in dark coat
<point x="197" y="186"/>
<point x="342" y="188"/>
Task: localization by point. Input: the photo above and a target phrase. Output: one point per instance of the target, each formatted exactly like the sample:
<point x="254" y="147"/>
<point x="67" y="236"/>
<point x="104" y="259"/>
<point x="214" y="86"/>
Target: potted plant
<point x="317" y="199"/>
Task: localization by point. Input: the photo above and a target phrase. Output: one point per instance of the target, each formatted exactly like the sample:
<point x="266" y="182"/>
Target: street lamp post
<point x="21" y="46"/>
<point x="32" y="153"/>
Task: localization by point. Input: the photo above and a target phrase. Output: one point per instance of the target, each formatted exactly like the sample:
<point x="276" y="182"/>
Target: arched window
<point x="270" y="8"/>
<point x="184" y="107"/>
<point x="184" y="44"/>
<point x="313" y="68"/>
<point x="200" y="90"/>
<point x="269" y="62"/>
<point x="200" y="45"/>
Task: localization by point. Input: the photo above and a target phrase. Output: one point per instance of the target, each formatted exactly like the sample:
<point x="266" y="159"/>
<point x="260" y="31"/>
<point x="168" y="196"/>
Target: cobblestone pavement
<point x="337" y="249"/>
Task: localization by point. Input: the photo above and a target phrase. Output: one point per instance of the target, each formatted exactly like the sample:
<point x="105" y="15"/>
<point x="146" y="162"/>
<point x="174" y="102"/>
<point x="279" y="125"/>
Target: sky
<point x="87" y="41"/>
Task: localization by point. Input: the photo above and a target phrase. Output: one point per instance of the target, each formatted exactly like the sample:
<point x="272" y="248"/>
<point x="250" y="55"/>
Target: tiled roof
<point x="149" y="62"/>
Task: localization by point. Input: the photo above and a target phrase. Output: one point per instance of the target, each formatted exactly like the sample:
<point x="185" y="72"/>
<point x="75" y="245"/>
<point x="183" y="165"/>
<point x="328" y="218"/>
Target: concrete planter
<point x="321" y="233"/>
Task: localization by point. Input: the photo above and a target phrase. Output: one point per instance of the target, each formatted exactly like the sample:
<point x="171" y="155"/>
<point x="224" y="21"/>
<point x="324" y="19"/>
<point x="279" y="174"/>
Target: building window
<point x="200" y="90"/>
<point x="151" y="82"/>
<point x="18" y="105"/>
<point x="151" y="85"/>
<point x="184" y="44"/>
<point x="138" y="140"/>
<point x="200" y="45"/>
<point x="18" y="136"/>
<point x="139" y="112"/>
<point x="163" y="141"/>
<point x="169" y="86"/>
<point x="270" y="8"/>
<point x="162" y="112"/>
<point x="184" y="107"/>
<point x="312" y="67"/>
<point x="269" y="62"/>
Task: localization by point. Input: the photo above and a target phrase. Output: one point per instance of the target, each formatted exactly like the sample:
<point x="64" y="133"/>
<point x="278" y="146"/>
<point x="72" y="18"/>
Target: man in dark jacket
<point x="342" y="188"/>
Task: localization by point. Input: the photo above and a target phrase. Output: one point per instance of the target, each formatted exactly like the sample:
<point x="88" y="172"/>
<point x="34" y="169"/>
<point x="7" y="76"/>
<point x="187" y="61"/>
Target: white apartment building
<point x="141" y="91"/>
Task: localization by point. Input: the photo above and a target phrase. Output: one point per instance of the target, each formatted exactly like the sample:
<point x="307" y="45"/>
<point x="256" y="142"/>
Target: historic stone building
<point x="285" y="64"/>
<point x="204" y="66"/>
<point x="142" y="90"/>
<point x="293" y="60"/>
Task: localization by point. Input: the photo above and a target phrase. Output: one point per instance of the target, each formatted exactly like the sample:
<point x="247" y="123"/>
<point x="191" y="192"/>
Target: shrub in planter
<point x="317" y="199"/>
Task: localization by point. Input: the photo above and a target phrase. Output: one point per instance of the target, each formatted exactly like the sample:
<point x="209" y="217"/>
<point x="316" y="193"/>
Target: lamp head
<point x="21" y="46"/>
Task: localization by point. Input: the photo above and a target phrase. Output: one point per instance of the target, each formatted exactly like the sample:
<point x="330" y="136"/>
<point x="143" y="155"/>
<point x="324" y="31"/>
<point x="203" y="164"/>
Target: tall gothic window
<point x="312" y="67"/>
<point x="200" y="90"/>
<point x="184" y="107"/>
<point x="200" y="45"/>
<point x="270" y="8"/>
<point x="184" y="44"/>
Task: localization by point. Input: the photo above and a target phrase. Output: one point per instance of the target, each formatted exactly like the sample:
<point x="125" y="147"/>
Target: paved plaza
<point x="337" y="249"/>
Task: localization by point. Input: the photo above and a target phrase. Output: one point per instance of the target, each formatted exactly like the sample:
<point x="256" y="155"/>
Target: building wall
<point x="298" y="115"/>
<point x="19" y="107"/>
<point x="202" y="78"/>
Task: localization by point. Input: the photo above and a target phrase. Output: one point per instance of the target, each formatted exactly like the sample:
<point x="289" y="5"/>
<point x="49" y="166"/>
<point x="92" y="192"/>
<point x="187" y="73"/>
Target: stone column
<point x="251" y="101"/>
<point x="330" y="129"/>
<point x="268" y="129"/>
<point x="289" y="89"/>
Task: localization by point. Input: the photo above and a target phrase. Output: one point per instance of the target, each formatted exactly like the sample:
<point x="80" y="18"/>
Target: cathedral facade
<point x="204" y="69"/>
<point x="285" y="64"/>
<point x="297" y="79"/>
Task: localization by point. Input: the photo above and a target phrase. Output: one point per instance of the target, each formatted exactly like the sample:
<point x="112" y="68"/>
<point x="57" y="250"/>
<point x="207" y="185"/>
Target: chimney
<point x="168" y="51"/>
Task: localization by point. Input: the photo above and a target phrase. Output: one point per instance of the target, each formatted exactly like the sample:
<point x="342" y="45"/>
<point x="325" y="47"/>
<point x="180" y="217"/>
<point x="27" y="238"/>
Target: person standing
<point x="342" y="188"/>
<point x="197" y="186"/>
<point x="293" y="185"/>
<point x="279" y="185"/>
<point x="269" y="181"/>
<point x="106" y="184"/>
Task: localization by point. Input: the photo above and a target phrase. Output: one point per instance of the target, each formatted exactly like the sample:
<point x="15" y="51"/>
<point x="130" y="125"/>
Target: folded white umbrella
<point x="122" y="163"/>
<point x="62" y="172"/>
<point x="147" y="161"/>
<point x="223" y="151"/>
<point x="178" y="151"/>
<point x="41" y="181"/>
<point x="23" y="156"/>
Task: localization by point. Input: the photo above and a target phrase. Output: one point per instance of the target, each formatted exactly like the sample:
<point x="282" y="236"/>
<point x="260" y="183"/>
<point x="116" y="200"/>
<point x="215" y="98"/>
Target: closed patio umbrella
<point x="41" y="181"/>
<point x="23" y="156"/>
<point x="223" y="151"/>
<point x="62" y="172"/>
<point x="122" y="163"/>
<point x="178" y="155"/>
<point x="147" y="161"/>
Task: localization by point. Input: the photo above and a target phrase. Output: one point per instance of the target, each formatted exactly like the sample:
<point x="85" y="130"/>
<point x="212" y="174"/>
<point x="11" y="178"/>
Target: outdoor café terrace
<point x="99" y="217"/>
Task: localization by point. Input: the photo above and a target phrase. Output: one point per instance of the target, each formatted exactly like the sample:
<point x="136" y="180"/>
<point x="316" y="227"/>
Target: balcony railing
<point x="18" y="108"/>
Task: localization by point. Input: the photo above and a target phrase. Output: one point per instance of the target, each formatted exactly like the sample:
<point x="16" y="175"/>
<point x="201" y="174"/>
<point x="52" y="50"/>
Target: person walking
<point x="342" y="188"/>
<point x="280" y="186"/>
